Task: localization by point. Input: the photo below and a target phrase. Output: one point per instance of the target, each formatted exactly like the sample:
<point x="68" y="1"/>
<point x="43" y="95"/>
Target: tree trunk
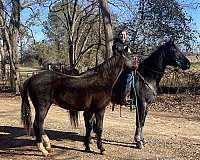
<point x="71" y="53"/>
<point x="16" y="9"/>
<point x="2" y="60"/>
<point x="13" y="77"/>
<point x="107" y="27"/>
<point x="10" y="32"/>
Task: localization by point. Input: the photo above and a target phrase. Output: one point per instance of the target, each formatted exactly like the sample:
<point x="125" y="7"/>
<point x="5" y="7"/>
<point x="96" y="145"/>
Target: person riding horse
<point x="125" y="81"/>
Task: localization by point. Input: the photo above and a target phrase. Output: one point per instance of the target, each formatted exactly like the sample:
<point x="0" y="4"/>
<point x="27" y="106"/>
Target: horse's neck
<point x="153" y="67"/>
<point x="106" y="74"/>
<point x="156" y="61"/>
<point x="111" y="73"/>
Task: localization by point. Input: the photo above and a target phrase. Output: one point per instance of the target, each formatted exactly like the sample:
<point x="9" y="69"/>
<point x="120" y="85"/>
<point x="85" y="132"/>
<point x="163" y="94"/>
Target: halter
<point x="134" y="90"/>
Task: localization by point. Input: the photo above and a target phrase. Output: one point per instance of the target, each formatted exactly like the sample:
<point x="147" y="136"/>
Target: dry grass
<point x="195" y="67"/>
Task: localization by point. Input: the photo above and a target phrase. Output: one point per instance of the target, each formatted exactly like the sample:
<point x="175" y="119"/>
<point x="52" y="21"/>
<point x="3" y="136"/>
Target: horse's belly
<point x="74" y="107"/>
<point x="77" y="103"/>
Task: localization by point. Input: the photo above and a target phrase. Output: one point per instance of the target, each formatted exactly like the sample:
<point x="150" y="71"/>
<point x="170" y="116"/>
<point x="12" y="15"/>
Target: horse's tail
<point x="74" y="118"/>
<point x="26" y="108"/>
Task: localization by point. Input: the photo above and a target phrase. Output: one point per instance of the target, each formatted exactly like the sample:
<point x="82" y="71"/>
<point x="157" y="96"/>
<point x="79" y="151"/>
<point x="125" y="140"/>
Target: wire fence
<point x="5" y="81"/>
<point x="179" y="81"/>
<point x="173" y="81"/>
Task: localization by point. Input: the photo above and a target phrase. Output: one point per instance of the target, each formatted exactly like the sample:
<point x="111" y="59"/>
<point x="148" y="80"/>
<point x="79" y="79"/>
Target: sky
<point x="191" y="11"/>
<point x="194" y="13"/>
<point x="36" y="30"/>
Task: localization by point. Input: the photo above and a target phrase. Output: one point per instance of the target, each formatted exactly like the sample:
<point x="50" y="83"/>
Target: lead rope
<point x="135" y="95"/>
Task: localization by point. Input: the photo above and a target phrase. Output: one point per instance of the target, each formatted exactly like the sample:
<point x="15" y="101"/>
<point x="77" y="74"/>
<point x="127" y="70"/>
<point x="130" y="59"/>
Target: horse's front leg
<point x="88" y="125"/>
<point x="139" y="137"/>
<point x="141" y="112"/>
<point x="99" y="129"/>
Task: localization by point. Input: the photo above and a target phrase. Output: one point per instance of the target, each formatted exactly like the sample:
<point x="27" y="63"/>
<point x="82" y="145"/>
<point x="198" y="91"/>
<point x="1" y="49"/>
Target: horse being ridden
<point x="89" y="92"/>
<point x="149" y="74"/>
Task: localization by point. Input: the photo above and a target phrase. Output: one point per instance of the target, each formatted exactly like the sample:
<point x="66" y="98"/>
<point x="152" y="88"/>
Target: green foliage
<point x="42" y="53"/>
<point x="161" y="20"/>
<point x="155" y="22"/>
<point x="168" y="18"/>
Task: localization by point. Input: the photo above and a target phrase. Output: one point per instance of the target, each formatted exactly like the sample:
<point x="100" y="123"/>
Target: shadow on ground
<point x="13" y="137"/>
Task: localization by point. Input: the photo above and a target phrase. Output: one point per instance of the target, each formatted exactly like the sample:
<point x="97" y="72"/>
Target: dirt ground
<point x="172" y="132"/>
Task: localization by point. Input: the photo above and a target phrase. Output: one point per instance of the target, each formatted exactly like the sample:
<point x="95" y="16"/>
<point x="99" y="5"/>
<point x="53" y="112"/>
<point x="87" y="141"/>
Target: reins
<point x="135" y="95"/>
<point x="145" y="82"/>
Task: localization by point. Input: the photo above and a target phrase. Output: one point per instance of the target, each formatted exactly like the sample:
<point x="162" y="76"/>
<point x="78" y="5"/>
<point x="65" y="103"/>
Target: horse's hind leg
<point x="40" y="114"/>
<point x="46" y="141"/>
<point x="99" y="129"/>
<point x="88" y="125"/>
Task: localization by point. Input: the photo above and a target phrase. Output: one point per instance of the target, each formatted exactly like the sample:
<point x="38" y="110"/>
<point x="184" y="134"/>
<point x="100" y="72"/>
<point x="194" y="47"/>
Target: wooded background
<point x="79" y="33"/>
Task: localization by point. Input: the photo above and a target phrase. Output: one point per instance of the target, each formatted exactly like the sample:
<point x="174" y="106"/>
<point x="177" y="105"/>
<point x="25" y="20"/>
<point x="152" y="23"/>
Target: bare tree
<point x="107" y="27"/>
<point x="10" y="32"/>
<point x="76" y="22"/>
<point x="10" y="24"/>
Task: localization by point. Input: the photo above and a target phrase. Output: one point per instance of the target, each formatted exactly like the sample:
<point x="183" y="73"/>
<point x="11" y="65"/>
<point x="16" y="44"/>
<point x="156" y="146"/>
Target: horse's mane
<point x="104" y="68"/>
<point x="155" y="56"/>
<point x="152" y="66"/>
<point x="157" y="51"/>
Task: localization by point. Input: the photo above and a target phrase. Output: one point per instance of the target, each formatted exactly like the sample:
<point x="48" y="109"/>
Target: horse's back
<point x="42" y="84"/>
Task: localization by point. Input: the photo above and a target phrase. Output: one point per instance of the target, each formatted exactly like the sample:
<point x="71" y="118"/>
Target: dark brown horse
<point x="89" y="92"/>
<point x="147" y="79"/>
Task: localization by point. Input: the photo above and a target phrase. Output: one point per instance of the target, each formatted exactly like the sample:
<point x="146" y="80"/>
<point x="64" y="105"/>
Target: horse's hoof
<point x="45" y="153"/>
<point x="87" y="149"/>
<point x="48" y="149"/>
<point x="41" y="148"/>
<point x="137" y="140"/>
<point x="103" y="151"/>
<point x="139" y="144"/>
